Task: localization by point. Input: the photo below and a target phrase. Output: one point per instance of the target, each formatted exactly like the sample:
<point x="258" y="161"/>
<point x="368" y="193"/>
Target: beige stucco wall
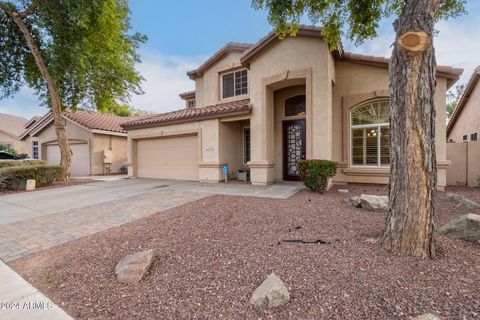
<point x="101" y="142"/>
<point x="16" y="143"/>
<point x="208" y="144"/>
<point x="208" y="87"/>
<point x="275" y="66"/>
<point x="75" y="134"/>
<point x="231" y="145"/>
<point x="468" y="121"/>
<point x="357" y="80"/>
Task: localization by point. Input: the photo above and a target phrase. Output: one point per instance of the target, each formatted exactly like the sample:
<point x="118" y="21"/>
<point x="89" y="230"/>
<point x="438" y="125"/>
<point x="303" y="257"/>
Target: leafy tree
<point x="71" y="52"/>
<point x="413" y="172"/>
<point x="453" y="97"/>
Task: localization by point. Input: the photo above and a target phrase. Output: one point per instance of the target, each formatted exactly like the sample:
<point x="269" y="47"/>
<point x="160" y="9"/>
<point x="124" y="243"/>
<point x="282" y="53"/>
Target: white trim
<point x="110" y="133"/>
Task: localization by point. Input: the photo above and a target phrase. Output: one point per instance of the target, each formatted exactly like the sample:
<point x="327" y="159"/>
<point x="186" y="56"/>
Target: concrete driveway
<point x="34" y="221"/>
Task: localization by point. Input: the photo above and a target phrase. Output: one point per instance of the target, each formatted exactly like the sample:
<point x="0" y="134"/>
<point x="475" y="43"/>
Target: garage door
<point x="80" y="158"/>
<point x="168" y="158"/>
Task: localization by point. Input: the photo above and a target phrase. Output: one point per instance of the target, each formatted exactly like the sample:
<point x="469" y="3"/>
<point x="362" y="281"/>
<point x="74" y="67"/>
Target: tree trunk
<point x="413" y="172"/>
<point x="65" y="152"/>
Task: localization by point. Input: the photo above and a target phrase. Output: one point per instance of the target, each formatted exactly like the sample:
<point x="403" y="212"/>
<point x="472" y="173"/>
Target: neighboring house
<point x="464" y="125"/>
<point x="189" y="98"/>
<point x="92" y="136"/>
<point x="11" y="128"/>
<point x="263" y="107"/>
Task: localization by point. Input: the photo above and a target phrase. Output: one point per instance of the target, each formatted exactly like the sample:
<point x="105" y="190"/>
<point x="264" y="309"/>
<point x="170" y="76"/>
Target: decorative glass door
<point x="293" y="148"/>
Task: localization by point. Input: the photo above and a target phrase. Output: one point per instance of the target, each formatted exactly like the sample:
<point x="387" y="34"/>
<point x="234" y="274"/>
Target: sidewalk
<point x="19" y="300"/>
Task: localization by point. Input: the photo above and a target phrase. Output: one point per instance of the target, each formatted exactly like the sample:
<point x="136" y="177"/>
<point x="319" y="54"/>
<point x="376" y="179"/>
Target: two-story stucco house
<point x="262" y="107"/>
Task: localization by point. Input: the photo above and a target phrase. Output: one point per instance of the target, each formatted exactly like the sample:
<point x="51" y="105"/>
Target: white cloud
<point x="165" y="77"/>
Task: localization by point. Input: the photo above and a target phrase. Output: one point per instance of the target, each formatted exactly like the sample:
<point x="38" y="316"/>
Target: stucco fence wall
<point x="465" y="167"/>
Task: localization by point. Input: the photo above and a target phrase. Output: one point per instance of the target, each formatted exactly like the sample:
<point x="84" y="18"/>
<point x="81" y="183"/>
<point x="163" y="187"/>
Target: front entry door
<point x="294" y="147"/>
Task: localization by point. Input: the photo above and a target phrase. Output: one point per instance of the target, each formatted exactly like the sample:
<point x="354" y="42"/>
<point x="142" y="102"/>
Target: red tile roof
<point x="192" y="114"/>
<point x="187" y="95"/>
<point x="99" y="121"/>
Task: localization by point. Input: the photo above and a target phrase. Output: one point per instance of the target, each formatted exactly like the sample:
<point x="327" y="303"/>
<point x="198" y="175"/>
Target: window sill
<point x="357" y="171"/>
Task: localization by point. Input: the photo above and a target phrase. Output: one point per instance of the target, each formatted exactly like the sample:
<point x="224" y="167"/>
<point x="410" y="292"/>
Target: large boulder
<point x="374" y="203"/>
<point x="271" y="293"/>
<point x="353" y="202"/>
<point x="465" y="227"/>
<point x="458" y="200"/>
<point x="133" y="268"/>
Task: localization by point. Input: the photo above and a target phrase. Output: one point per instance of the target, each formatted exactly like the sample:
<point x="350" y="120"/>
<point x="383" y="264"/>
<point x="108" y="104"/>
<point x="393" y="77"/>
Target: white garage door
<point x="80" y="158"/>
<point x="168" y="158"/>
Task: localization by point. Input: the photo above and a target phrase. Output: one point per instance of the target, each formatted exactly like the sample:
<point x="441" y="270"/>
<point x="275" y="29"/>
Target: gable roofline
<point x="231" y="46"/>
<point x="472" y="83"/>
<point x="31" y="122"/>
<point x="35" y="125"/>
<point x="303" y="30"/>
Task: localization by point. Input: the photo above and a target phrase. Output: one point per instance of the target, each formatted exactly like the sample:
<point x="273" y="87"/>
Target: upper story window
<point x="370" y="134"/>
<point x="465" y="138"/>
<point x="191" y="103"/>
<point x="234" y="84"/>
<point x="474" y="136"/>
<point x="35" y="149"/>
<point x="295" y="106"/>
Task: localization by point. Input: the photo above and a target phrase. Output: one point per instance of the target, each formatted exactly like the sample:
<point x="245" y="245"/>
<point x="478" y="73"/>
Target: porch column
<point x="262" y="138"/>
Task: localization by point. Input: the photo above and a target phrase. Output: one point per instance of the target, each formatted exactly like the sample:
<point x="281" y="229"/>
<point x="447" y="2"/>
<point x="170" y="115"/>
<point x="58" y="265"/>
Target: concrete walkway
<point x="20" y="300"/>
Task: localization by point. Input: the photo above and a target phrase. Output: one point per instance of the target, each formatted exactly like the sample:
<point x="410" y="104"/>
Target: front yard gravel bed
<point x="213" y="253"/>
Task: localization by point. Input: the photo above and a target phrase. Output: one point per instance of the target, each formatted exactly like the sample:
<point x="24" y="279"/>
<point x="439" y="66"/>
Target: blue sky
<point x="183" y="33"/>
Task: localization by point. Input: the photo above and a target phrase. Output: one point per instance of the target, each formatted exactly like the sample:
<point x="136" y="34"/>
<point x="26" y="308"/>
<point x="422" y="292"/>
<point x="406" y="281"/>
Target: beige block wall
<point x="208" y="144"/>
<point x="457" y="172"/>
<point x="16" y="143"/>
<point x="208" y="87"/>
<point x="101" y="142"/>
<point x="468" y="121"/>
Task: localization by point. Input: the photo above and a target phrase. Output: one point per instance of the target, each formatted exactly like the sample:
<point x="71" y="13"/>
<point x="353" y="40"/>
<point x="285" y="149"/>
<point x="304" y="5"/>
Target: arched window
<point x="370" y="134"/>
<point x="295" y="106"/>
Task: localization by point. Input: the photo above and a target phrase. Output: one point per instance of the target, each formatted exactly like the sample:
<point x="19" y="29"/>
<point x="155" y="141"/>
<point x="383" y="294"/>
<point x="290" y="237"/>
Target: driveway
<point x="33" y="221"/>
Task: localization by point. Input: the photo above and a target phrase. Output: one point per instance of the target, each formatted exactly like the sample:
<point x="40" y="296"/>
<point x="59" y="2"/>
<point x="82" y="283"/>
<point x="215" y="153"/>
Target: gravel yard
<point x="213" y="253"/>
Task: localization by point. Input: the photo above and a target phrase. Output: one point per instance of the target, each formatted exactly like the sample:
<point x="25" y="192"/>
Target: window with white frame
<point x="35" y="149"/>
<point x="234" y="84"/>
<point x="474" y="136"/>
<point x="370" y="134"/>
<point x="465" y="138"/>
<point x="246" y="145"/>
<point x="191" y="103"/>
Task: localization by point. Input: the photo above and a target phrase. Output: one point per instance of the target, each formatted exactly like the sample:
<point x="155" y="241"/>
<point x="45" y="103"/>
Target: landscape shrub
<point x="15" y="177"/>
<point x="316" y="173"/>
<point x="16" y="163"/>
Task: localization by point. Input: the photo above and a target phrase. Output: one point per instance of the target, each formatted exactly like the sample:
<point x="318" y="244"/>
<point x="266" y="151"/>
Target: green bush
<point x="14" y="178"/>
<point x="16" y="163"/>
<point x="316" y="173"/>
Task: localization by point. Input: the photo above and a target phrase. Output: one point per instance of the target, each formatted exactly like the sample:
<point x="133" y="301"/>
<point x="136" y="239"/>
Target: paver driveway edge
<point x="20" y="300"/>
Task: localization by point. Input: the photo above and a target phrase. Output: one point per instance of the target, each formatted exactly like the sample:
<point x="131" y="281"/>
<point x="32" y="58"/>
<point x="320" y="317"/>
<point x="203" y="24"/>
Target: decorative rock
<point x="271" y="293"/>
<point x="133" y="268"/>
<point x="343" y="190"/>
<point x="427" y="316"/>
<point x="465" y="227"/>
<point x="458" y="200"/>
<point x="353" y="202"/>
<point x="374" y="203"/>
<point x="30" y="185"/>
